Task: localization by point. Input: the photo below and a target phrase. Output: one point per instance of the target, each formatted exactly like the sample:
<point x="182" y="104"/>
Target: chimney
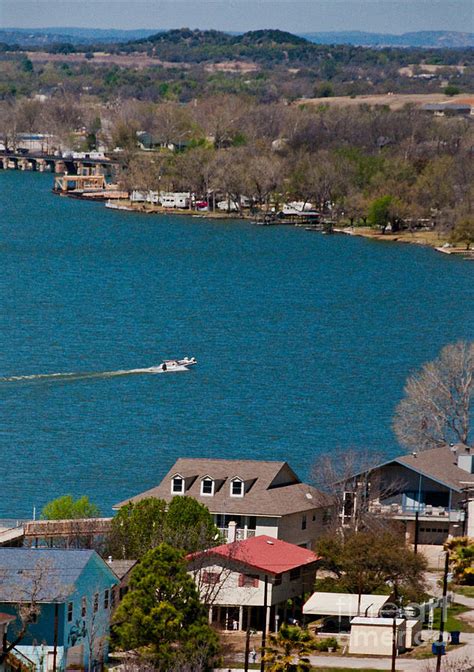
<point x="232" y="533"/>
<point x="466" y="463"/>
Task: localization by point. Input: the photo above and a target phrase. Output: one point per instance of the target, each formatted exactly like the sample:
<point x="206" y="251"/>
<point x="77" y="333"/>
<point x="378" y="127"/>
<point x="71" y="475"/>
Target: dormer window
<point x="207" y="486"/>
<point x="237" y="488"/>
<point x="177" y="485"/>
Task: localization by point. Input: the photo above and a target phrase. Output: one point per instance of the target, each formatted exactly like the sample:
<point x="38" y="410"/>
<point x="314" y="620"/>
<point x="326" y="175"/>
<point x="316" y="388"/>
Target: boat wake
<point x="89" y="375"/>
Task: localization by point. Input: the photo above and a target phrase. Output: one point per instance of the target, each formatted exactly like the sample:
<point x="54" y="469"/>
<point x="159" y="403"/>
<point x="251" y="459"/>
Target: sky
<point x="389" y="16"/>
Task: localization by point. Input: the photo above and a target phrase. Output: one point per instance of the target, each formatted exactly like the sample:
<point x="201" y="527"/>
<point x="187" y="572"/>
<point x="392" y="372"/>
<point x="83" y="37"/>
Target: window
<point x="303" y="522"/>
<point x="106" y="598"/>
<point x="277" y="580"/>
<point x="248" y="580"/>
<point x="211" y="578"/>
<point x="96" y="602"/>
<point x="83" y="607"/>
<point x="295" y="574"/>
<point x="69" y="612"/>
<point x="112" y="598"/>
<point x="207" y="486"/>
<point x="237" y="488"/>
<point x="177" y="485"/>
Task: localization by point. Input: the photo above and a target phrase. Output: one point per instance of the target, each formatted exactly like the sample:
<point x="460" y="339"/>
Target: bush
<point x="451" y="90"/>
<point x="328" y="643"/>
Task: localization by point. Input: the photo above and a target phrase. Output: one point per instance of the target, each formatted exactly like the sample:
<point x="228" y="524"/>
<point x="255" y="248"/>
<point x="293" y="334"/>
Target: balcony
<point x="425" y="512"/>
<point x="241" y="533"/>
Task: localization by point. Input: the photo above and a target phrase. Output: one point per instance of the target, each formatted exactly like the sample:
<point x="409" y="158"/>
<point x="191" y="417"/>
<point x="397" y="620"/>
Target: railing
<point x="11" y="523"/>
<point x="240" y="533"/>
<point x="425" y="510"/>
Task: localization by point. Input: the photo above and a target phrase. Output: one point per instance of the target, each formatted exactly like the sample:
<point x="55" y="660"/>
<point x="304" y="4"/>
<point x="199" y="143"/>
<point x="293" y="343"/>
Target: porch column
<point x="210" y="615"/>
<point x="241" y="618"/>
<point x="268" y="618"/>
<point x="227" y="618"/>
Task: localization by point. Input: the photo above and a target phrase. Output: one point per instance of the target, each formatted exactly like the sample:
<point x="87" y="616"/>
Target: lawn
<point x="467" y="591"/>
<point x="453" y="622"/>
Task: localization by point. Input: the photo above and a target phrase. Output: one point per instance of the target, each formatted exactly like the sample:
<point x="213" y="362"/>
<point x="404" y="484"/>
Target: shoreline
<point x="423" y="238"/>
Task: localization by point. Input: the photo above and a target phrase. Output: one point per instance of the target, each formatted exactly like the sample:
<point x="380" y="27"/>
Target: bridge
<point x="41" y="162"/>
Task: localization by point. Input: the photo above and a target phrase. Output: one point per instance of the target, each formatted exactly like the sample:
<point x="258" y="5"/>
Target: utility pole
<point x="55" y="642"/>
<point x="443" y="608"/>
<point x="417" y="515"/>
<point x="247" y="649"/>
<point x="394" y="643"/>
<point x="264" y="632"/>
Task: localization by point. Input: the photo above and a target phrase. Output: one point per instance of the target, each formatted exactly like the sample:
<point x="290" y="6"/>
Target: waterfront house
<point x="67" y="594"/>
<point x="259" y="497"/>
<point x="431" y="493"/>
<point x="249" y="583"/>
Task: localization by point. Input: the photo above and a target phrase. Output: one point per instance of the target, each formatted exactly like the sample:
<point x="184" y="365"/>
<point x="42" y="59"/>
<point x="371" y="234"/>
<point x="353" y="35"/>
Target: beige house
<point x="248" y="583"/>
<point x="259" y="497"/>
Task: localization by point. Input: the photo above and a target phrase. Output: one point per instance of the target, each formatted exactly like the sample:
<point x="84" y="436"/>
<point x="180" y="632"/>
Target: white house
<point x="248" y="583"/>
<point x="259" y="497"/>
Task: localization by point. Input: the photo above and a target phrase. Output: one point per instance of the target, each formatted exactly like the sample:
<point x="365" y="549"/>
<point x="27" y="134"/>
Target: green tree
<point x="184" y="523"/>
<point x="370" y="561"/>
<point x="463" y="232"/>
<point x="67" y="508"/>
<point x="451" y="90"/>
<point x="161" y="615"/>
<point x="379" y="212"/>
<point x="289" y="649"/>
<point x="189" y="525"/>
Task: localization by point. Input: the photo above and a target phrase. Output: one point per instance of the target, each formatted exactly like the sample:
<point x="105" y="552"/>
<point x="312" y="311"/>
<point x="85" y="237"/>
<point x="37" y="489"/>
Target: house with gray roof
<point x="247" y="497"/>
<point x="430" y="492"/>
<point x="67" y="595"/>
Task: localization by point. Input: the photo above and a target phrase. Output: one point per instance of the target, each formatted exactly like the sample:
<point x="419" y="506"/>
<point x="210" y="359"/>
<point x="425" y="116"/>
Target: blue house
<point x="66" y="598"/>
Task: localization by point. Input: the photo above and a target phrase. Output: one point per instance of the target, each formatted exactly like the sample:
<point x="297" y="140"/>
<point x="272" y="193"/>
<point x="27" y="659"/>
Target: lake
<point x="303" y="342"/>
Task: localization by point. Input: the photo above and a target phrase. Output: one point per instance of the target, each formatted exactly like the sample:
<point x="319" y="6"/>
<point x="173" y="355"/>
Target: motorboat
<point x="173" y="365"/>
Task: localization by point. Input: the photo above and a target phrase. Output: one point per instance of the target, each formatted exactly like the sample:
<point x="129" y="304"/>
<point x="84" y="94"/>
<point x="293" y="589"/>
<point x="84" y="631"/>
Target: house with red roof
<point x="249" y="583"/>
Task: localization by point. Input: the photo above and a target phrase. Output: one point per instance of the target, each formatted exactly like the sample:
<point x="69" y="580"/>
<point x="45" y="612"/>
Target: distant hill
<point x="44" y="37"/>
<point x="40" y="37"/>
<point x="441" y="39"/>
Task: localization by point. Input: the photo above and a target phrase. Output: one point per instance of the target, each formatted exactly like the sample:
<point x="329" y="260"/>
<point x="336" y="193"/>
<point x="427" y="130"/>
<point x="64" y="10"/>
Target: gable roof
<point x="263" y="553"/>
<point x="51" y="574"/>
<point x="270" y="488"/>
<point x="440" y="464"/>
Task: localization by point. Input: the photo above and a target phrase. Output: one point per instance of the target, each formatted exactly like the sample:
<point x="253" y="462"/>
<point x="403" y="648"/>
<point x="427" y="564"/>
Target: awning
<point x="344" y="604"/>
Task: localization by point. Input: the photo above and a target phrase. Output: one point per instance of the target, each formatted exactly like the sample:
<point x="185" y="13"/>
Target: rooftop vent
<point x="270" y="543"/>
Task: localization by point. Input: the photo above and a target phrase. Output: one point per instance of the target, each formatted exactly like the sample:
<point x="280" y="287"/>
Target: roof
<point x="121" y="567"/>
<point x="440" y="464"/>
<point x="344" y="604"/>
<point x="272" y="556"/>
<point x="6" y="618"/>
<point x="49" y="573"/>
<point x="360" y="620"/>
<point x="271" y="488"/>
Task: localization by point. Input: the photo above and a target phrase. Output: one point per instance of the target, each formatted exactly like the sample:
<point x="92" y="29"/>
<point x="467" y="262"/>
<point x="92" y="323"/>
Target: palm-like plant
<point x="461" y="551"/>
<point x="288" y="650"/>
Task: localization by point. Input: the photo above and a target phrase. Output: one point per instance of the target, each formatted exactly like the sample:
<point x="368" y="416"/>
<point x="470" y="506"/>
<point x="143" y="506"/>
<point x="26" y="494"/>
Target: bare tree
<point x="350" y="486"/>
<point x="37" y="585"/>
<point x="437" y="407"/>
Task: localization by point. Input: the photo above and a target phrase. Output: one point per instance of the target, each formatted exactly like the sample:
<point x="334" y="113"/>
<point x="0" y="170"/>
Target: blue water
<point x="303" y="341"/>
